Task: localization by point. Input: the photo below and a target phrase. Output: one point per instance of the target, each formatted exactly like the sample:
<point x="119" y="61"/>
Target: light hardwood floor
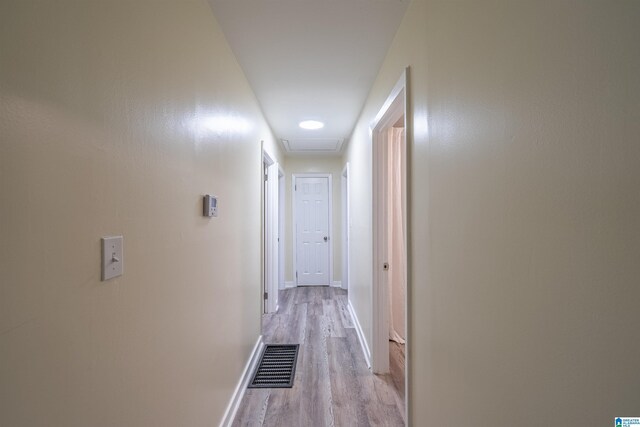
<point x="333" y="386"/>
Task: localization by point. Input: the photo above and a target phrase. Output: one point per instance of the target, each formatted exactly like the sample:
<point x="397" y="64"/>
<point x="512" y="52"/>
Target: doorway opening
<point x="390" y="241"/>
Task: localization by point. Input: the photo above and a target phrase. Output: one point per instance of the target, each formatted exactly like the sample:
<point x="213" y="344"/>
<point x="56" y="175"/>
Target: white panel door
<point x="312" y="230"/>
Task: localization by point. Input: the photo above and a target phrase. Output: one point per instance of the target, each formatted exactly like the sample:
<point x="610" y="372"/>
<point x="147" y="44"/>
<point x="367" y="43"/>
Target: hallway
<point x="333" y="385"/>
<point x="137" y="234"/>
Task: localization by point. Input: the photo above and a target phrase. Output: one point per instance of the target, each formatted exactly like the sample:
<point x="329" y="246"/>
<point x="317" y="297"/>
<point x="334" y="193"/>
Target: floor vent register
<point x="277" y="367"/>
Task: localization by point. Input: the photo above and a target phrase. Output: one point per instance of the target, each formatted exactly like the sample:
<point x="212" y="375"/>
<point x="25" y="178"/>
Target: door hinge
<point x="266" y="178"/>
<point x="295" y="187"/>
<point x="266" y="295"/>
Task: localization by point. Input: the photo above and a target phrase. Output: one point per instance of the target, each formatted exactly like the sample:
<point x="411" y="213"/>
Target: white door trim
<point x="396" y="105"/>
<point x="281" y="225"/>
<point x="345" y="226"/>
<point x="294" y="219"/>
<point x="270" y="234"/>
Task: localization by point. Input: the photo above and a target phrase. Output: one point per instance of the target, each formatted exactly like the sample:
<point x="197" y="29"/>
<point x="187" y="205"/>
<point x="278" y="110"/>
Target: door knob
<point x="326" y="238"/>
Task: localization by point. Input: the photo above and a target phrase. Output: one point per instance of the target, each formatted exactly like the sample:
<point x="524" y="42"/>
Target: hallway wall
<point x="116" y="117"/>
<point x="314" y="164"/>
<point x="525" y="210"/>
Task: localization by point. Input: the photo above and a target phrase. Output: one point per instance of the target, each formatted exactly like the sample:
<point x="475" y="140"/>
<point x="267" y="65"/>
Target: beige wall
<point x="525" y="210"/>
<point x="105" y="122"/>
<point x="315" y="164"/>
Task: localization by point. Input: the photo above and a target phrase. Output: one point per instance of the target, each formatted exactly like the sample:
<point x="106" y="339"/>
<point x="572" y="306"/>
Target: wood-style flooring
<point x="333" y="386"/>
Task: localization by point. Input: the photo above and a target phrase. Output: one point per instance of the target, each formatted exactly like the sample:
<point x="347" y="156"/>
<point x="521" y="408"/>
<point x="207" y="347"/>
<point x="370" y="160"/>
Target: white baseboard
<point x="238" y="394"/>
<point x="281" y="285"/>
<point x="363" y="341"/>
<point x="289" y="285"/>
<point x="337" y="284"/>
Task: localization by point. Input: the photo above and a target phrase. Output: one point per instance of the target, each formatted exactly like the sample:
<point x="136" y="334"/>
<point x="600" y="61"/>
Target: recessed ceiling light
<point x="311" y="124"/>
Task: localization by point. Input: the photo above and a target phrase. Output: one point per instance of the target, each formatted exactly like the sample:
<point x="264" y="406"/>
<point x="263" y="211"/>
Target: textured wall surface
<point x="525" y="210"/>
<point x="116" y="117"/>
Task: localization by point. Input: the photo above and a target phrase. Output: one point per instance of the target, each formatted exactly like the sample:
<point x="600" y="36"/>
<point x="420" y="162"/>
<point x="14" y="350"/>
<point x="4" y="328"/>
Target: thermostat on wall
<point x="210" y="205"/>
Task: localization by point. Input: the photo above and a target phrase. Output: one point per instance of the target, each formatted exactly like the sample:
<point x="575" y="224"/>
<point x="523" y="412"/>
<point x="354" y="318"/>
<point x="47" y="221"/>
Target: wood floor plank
<point x="316" y="295"/>
<point x="268" y="324"/>
<point x="301" y="294"/>
<point x="316" y="404"/>
<point x="342" y="303"/>
<point x="381" y="405"/>
<point x="284" y="302"/>
<point x="333" y="385"/>
<point x="336" y="328"/>
<point x="284" y="404"/>
<point x="280" y="330"/>
<point x="376" y="391"/>
<point x="299" y="324"/>
<point x="253" y="409"/>
<point x="348" y="407"/>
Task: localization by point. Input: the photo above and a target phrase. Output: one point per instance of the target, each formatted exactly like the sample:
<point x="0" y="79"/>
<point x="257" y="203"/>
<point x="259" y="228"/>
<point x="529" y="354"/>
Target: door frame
<point x="281" y="232"/>
<point x="270" y="220"/>
<point x="345" y="226"/>
<point x="294" y="221"/>
<point x="396" y="105"/>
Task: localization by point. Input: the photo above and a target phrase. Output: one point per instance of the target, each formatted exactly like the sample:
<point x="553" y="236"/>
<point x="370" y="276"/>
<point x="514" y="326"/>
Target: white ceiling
<point x="310" y="59"/>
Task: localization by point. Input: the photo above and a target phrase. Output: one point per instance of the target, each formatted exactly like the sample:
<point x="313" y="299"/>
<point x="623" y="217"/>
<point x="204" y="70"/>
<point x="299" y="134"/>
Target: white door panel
<point x="312" y="230"/>
<point x="270" y="227"/>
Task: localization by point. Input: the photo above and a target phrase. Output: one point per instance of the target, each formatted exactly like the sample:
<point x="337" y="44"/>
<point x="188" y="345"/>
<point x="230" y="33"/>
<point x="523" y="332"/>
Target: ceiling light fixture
<point x="311" y="124"/>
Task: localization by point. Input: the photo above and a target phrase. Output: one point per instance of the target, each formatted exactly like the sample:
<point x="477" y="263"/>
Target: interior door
<point x="312" y="230"/>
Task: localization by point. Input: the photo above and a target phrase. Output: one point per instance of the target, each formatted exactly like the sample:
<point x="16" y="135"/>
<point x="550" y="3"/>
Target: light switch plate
<point x="112" y="260"/>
